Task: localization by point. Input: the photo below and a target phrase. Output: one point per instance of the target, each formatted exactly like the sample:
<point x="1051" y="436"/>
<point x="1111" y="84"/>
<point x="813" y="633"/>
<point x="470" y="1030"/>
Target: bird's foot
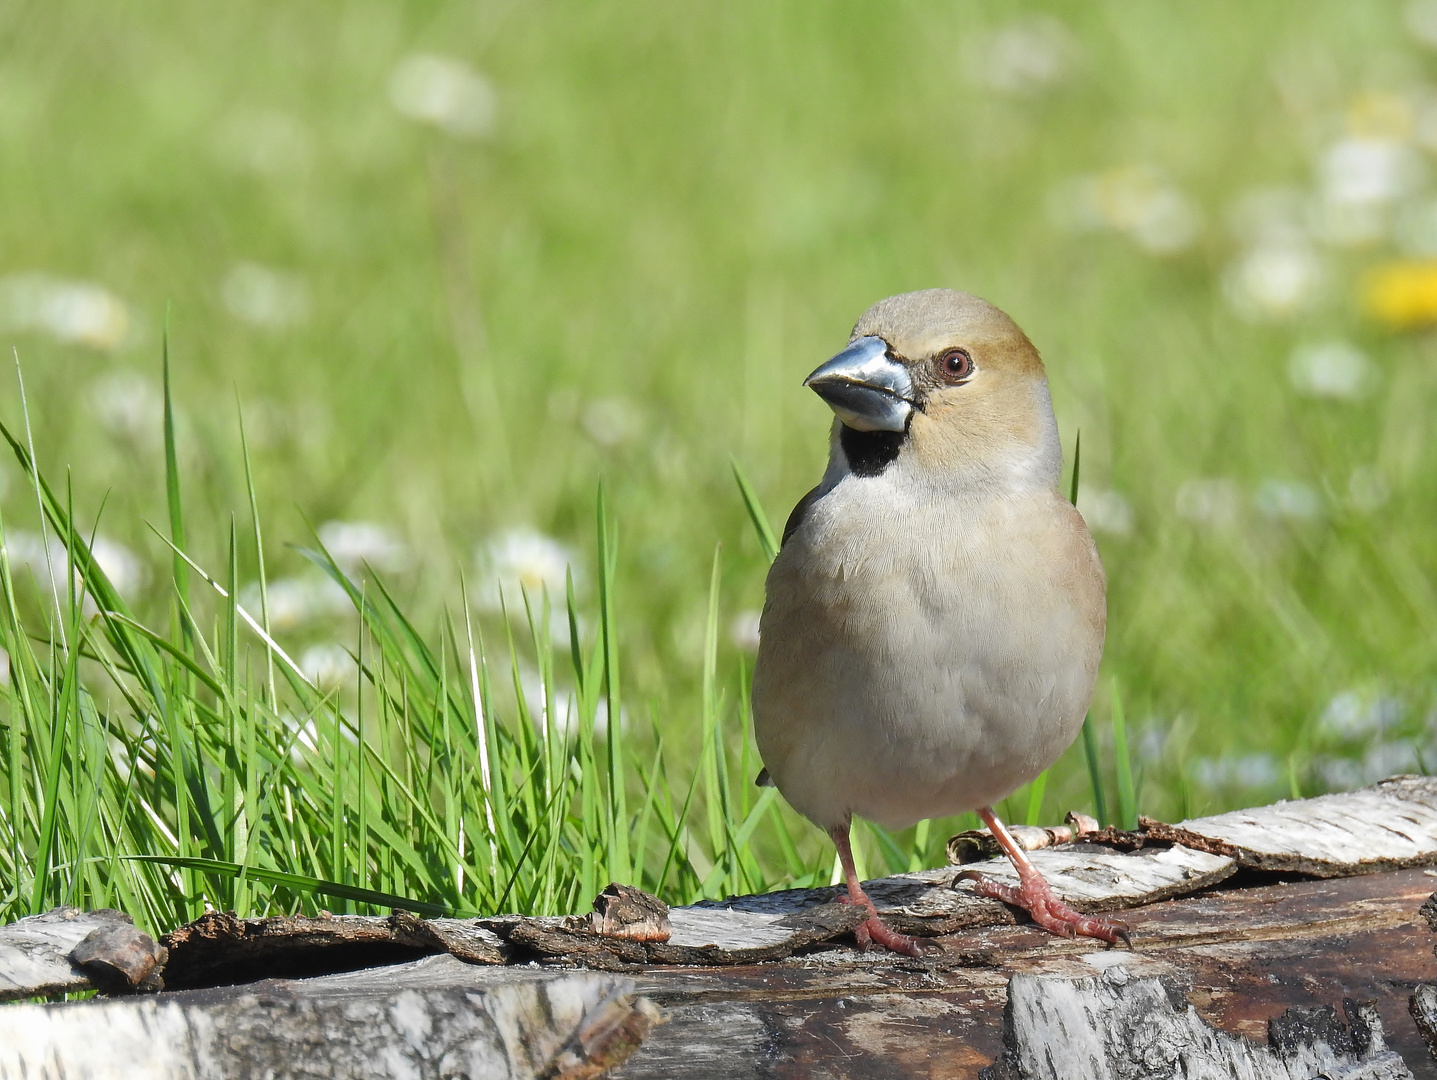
<point x="1035" y="896"/>
<point x="874" y="931"/>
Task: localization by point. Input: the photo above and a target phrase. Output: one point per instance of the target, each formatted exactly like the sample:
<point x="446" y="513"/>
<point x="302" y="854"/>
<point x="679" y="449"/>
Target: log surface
<point x="35" y="951"/>
<point x="1385" y="827"/>
<point x="1241" y="958"/>
<point x="1229" y="961"/>
<point x="1260" y="954"/>
<point x="932" y="902"/>
<point x="1131" y="1019"/>
<point x="432" y="1017"/>
<point x="219" y="948"/>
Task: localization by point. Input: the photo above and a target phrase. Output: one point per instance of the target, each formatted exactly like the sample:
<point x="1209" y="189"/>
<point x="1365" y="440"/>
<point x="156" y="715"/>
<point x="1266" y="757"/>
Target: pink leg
<point x="875" y="929"/>
<point x="1035" y="896"/>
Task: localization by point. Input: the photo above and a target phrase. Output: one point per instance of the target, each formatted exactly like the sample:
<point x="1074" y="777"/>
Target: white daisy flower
<point x="265" y="297"/>
<point x="1331" y="369"/>
<point x="354" y="543"/>
<point x="444" y="92"/>
<point x="80" y="312"/>
<point x="522" y="560"/>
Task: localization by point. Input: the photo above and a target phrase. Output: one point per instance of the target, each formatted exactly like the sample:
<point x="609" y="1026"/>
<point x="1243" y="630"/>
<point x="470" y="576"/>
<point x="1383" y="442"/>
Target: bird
<point x="934" y="618"/>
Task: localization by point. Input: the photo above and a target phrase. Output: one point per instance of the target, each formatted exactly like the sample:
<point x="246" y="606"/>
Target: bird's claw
<point x="1035" y="896"/>
<point x="874" y="931"/>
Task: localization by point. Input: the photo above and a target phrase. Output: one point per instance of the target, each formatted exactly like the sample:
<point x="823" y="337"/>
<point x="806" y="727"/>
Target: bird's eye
<point x="955" y="365"/>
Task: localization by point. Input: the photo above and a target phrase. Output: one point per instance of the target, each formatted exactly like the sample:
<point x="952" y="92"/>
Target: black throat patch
<point x="870" y="452"/>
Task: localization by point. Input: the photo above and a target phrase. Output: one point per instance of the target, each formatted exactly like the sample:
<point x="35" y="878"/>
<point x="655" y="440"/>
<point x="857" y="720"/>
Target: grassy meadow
<point x="436" y="273"/>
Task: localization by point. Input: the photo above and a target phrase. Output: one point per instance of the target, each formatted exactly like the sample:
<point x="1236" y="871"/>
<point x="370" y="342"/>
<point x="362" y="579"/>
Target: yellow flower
<point x="1402" y="294"/>
<point x="1377" y="115"/>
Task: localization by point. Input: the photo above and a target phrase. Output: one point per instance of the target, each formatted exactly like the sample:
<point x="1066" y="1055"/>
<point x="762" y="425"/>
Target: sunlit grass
<point x="170" y="770"/>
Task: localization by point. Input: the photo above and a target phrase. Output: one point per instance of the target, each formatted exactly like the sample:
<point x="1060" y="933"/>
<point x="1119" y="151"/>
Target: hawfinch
<point x="935" y="616"/>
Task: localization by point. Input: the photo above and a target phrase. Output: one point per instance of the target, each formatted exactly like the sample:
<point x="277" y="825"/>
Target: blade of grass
<point x="619" y="865"/>
<point x="1127" y="798"/>
<point x="303" y="883"/>
<point x="172" y="483"/>
<point x="1090" y="735"/>
<point x="261" y="573"/>
<point x="918" y="857"/>
<point x="1036" y="790"/>
<point x="767" y="538"/>
<point x="1095" y="772"/>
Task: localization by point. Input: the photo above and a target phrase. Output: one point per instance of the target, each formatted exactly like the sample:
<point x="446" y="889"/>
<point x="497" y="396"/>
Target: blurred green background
<point x="458" y="262"/>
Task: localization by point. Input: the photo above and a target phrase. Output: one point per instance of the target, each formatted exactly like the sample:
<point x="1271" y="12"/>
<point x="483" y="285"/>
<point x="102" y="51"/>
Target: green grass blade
<point x="1090" y="735"/>
<point x="303" y="883"/>
<point x="1036" y="790"/>
<point x="619" y="865"/>
<point x="180" y="568"/>
<point x="767" y="538"/>
<point x="1127" y="798"/>
<point x="1095" y="771"/>
<point x="918" y="857"/>
<point x="60" y="717"/>
<point x="261" y="572"/>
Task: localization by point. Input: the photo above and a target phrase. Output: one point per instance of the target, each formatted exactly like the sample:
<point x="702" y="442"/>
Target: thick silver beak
<point x="866" y="389"/>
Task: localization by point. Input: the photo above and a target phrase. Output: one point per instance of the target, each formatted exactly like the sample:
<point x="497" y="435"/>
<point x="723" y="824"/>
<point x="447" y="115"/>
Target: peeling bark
<point x="1088" y="877"/>
<point x="121" y="957"/>
<point x="626" y="912"/>
<point x="1388" y="826"/>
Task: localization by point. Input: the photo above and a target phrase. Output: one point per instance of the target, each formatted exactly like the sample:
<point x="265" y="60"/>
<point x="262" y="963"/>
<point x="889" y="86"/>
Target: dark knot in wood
<point x="623" y="911"/>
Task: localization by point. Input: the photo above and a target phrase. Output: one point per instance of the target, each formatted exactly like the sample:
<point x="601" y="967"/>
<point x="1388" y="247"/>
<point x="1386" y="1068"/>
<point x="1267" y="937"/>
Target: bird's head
<point x="946" y="378"/>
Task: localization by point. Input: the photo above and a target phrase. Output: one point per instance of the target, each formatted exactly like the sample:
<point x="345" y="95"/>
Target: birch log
<point x="1130" y="1021"/>
<point x="219" y="948"/>
<point x="1390" y="825"/>
<point x="930" y="902"/>
<point x="437" y="1017"/>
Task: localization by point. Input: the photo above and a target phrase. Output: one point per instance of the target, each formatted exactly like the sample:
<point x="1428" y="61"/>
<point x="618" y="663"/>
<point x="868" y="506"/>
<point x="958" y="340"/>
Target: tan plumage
<point x="935" y="618"/>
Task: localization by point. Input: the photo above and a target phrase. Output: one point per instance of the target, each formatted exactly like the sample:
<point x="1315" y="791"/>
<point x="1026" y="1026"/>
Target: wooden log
<point x="430" y="1018"/>
<point x="1244" y="956"/>
<point x="1390" y="825"/>
<point x="35" y="952"/>
<point x="1133" y="1020"/>
<point x="1088" y="877"/>
<point x="1253" y="975"/>
<point x="217" y="948"/>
